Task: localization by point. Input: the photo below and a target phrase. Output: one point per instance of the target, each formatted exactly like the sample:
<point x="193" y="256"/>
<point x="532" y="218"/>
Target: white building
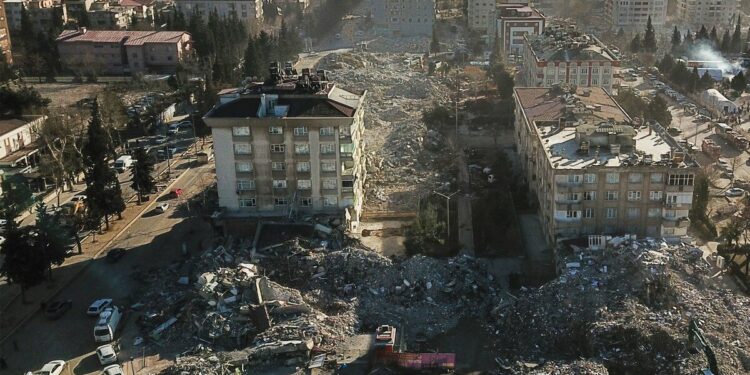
<point x="17" y="140"/>
<point x="482" y="15"/>
<point x="633" y="15"/>
<point x="410" y="17"/>
<point x="514" y="21"/>
<point x="248" y="11"/>
<point x="719" y="13"/>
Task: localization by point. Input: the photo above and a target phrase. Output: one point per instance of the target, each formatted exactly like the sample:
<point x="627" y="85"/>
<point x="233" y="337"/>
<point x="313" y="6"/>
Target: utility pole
<point x="169" y="160"/>
<point x="448" y="204"/>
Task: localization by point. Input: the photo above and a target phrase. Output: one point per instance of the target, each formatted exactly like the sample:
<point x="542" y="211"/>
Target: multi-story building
<point x="719" y="13"/>
<point x="248" y="11"/>
<point x="594" y="171"/>
<point x="513" y="22"/>
<point x="410" y="17"/>
<point x="632" y="15"/>
<point x="293" y="145"/>
<point x="566" y="56"/>
<point x="76" y="7"/>
<point x="5" y="35"/>
<point x="103" y="16"/>
<point x="482" y="15"/>
<point x="43" y="14"/>
<point x="123" y="52"/>
<point x="18" y="145"/>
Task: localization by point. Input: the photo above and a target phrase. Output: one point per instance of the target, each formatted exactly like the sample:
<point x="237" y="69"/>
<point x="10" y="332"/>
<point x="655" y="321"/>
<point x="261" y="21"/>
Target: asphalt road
<point x="152" y="241"/>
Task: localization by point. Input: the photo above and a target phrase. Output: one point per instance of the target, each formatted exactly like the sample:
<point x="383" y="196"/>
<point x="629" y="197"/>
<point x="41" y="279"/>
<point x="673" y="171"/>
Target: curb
<point x="23" y="321"/>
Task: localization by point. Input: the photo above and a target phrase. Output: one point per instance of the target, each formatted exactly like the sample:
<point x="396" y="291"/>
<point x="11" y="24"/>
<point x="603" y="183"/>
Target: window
<point x="611" y="213"/>
<point x="275" y="130"/>
<point x="347" y="184"/>
<point x="301" y="130"/>
<point x="280" y="201"/>
<point x="589" y="195"/>
<point x="588" y="213"/>
<point x="279" y="148"/>
<point x="279" y="184"/>
<point x="681" y="179"/>
<point x="657" y="178"/>
<point x="278" y="166"/>
<point x="245" y="185"/>
<point x="328" y="166"/>
<point x="634" y="213"/>
<point x="305" y="202"/>
<point x="242" y="148"/>
<point x="241" y="130"/>
<point x="328" y="130"/>
<point x="570" y="214"/>
<point x="571" y="197"/>
<point x="635" y="178"/>
<point x="671" y="198"/>
<point x="327" y="148"/>
<point x="330" y="201"/>
<point x="589" y="178"/>
<point x="243" y="167"/>
<point x="654" y="195"/>
<point x="574" y="178"/>
<point x="613" y="178"/>
<point x="634" y="195"/>
<point x="304" y="184"/>
<point x="247" y="202"/>
<point x="329" y="184"/>
<point x="654" y="212"/>
<point x="301" y="148"/>
<point x="612" y="195"/>
<point x="303" y="166"/>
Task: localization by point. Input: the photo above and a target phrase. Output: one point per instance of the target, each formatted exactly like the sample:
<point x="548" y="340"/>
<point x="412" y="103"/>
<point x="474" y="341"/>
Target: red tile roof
<point x="129" y="38"/>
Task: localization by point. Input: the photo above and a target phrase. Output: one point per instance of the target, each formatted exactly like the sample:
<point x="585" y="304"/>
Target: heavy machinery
<point x="710" y="148"/>
<point x="695" y="338"/>
<point x="72" y="214"/>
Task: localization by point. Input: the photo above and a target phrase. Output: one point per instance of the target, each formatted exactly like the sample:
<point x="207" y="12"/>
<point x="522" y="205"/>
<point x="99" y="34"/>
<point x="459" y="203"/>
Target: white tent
<point x="717" y="102"/>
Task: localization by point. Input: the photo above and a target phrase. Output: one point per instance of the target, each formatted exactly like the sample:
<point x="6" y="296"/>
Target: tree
<point x="636" y="45"/>
<point x="252" y="65"/>
<point x="83" y="19"/>
<point x="503" y="81"/>
<point x="649" y="38"/>
<point x="688" y="39"/>
<point x="51" y="238"/>
<point x="739" y="82"/>
<point x="620" y="34"/>
<point x="143" y="180"/>
<point x="714" y="38"/>
<point x="666" y="64"/>
<point x="726" y="42"/>
<point x="658" y="111"/>
<point x="676" y="40"/>
<point x="24" y="263"/>
<point x="435" y="43"/>
<point x="61" y="135"/>
<point x="21" y="101"/>
<point x="16" y="197"/>
<point x="735" y="45"/>
<point x="702" y="33"/>
<point x="706" y="81"/>
<point x="692" y="84"/>
<point x="6" y="73"/>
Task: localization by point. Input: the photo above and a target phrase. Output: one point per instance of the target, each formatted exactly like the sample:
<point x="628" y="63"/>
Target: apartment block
<point x="123" y="52"/>
<point x="514" y="21"/>
<point x="632" y="15"/>
<point x="564" y="55"/>
<point x="5" y="35"/>
<point x="410" y="17"/>
<point x="103" y="16"/>
<point x="18" y="147"/>
<point x="292" y="145"/>
<point x="595" y="171"/>
<point x="248" y="11"/>
<point x="482" y="15"/>
<point x="719" y="13"/>
<point x="43" y="14"/>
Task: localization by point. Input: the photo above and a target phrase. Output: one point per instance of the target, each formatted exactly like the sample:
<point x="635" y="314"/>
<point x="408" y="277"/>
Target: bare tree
<point x="62" y="134"/>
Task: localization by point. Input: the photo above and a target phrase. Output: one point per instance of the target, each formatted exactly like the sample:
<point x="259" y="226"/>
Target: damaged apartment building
<point x="594" y="170"/>
<point x="289" y="146"/>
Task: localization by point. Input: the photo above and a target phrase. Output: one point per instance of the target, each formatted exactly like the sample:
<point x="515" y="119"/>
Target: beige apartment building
<point x="632" y="15"/>
<point x="482" y="15"/>
<point x="410" y="17"/>
<point x="5" y="35"/>
<point x="719" y="13"/>
<point x="566" y="56"/>
<point x="594" y="171"/>
<point x="290" y="147"/>
<point x="249" y="12"/>
<point x="123" y="52"/>
<point x="42" y="13"/>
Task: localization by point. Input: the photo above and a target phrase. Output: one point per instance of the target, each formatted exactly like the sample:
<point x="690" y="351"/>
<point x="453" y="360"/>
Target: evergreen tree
<point x="497" y="52"/>
<point x="702" y="33"/>
<point x="83" y="19"/>
<point x="435" y="43"/>
<point x="726" y="42"/>
<point x="16" y="197"/>
<point x="706" y="81"/>
<point x="665" y="64"/>
<point x="24" y="264"/>
<point x="143" y="181"/>
<point x="714" y="37"/>
<point x="51" y="238"/>
<point x="620" y="34"/>
<point x="658" y="111"/>
<point x="676" y="40"/>
<point x="694" y="82"/>
<point x="739" y="82"/>
<point x="649" y="38"/>
<point x="688" y="39"/>
<point x="736" y="43"/>
<point x="635" y="44"/>
<point x="252" y="66"/>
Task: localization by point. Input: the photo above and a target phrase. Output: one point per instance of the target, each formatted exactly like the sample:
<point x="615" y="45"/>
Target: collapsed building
<point x="594" y="170"/>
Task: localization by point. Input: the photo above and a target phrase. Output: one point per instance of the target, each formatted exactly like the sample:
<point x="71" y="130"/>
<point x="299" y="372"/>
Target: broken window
<point x="280" y="201"/>
<point x="247" y="202"/>
<point x="589" y="195"/>
<point x="681" y="179"/>
<point x="279" y="148"/>
<point x="279" y="184"/>
<point x="278" y="166"/>
<point x="330" y="201"/>
<point x="612" y="195"/>
<point x="303" y="166"/>
<point x="304" y="184"/>
<point x="306" y="202"/>
<point x="302" y="148"/>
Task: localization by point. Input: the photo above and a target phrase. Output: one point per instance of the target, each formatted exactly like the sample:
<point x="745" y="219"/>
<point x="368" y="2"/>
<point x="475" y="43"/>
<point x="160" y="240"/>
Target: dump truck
<point x="710" y="148"/>
<point x="731" y="136"/>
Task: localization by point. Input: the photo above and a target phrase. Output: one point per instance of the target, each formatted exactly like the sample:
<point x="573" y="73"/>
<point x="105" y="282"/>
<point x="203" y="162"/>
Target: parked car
<point x="734" y="192"/>
<point x="162" y="208"/>
<point x="79" y="197"/>
<point x="173" y="129"/>
<point x="98" y="306"/>
<point x="113" y="370"/>
<point x="51" y="368"/>
<point x="161" y="154"/>
<point x="3" y="222"/>
<point x="184" y="124"/>
<point x="56" y="309"/>
<point x="115" y="254"/>
<point x="175" y="193"/>
<point x="106" y="354"/>
<point x="160" y="140"/>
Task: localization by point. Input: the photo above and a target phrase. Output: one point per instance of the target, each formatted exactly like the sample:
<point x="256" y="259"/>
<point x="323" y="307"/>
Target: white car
<point x="98" y="306"/>
<point x="106" y="354"/>
<point x="734" y="192"/>
<point x="2" y="240"/>
<point x="79" y="197"/>
<point x="113" y="370"/>
<point x="162" y="208"/>
<point x="51" y="368"/>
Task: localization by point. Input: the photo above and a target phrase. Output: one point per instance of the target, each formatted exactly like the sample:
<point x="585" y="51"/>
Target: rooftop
<point x="10" y="124"/>
<point x="557" y="44"/>
<point x="129" y="38"/>
<point x="588" y="128"/>
<point x="513" y="11"/>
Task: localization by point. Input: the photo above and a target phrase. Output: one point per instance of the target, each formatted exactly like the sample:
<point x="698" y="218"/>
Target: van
<point x="106" y="326"/>
<point x="123" y="162"/>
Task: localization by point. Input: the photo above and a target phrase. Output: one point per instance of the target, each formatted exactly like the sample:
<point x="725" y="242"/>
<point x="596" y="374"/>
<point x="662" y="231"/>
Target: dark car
<point x="115" y="254"/>
<point x="56" y="309"/>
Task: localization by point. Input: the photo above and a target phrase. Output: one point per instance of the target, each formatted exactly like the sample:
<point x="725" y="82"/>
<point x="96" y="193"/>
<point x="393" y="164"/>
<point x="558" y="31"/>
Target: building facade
<point x="632" y="15"/>
<point x="410" y="17"/>
<point x="5" y="35"/>
<point x="248" y="11"/>
<point x="567" y="57"/>
<point x="482" y="15"/>
<point x="122" y="52"/>
<point x="514" y="21"/>
<point x="43" y="14"/>
<point x="103" y="16"/>
<point x="719" y="13"/>
<point x="18" y="145"/>
<point x="294" y="146"/>
<point x="593" y="171"/>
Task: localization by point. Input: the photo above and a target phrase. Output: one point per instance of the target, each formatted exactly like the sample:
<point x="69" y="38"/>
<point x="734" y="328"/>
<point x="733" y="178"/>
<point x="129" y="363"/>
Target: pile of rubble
<point x="628" y="308"/>
<point x="399" y="167"/>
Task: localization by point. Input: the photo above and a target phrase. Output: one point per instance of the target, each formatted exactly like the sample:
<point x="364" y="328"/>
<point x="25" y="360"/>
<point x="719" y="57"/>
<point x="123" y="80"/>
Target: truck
<point x="710" y="148"/>
<point x="72" y="214"/>
<point x="107" y="324"/>
<point x="204" y="157"/>
<point x="123" y="162"/>
<point x="731" y="136"/>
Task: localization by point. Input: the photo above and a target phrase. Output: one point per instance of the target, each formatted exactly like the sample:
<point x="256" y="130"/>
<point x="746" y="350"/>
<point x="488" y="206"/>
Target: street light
<point x="448" y="204"/>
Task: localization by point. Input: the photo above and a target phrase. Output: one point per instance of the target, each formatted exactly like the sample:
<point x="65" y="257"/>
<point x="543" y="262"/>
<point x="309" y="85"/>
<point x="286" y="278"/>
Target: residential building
<point x="5" y="35"/>
<point x="595" y="171"/>
<point x="76" y="7"/>
<point x="410" y="17"/>
<point x="719" y="13"/>
<point x="104" y="16"/>
<point x="378" y="12"/>
<point x="562" y="55"/>
<point x="632" y="15"/>
<point x="18" y="145"/>
<point x="513" y="22"/>
<point x="123" y="52"/>
<point x="43" y="14"/>
<point x="291" y="145"/>
<point x="248" y="11"/>
<point x="482" y="15"/>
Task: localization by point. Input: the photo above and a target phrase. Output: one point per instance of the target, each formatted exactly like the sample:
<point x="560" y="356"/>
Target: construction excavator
<point x="696" y="339"/>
